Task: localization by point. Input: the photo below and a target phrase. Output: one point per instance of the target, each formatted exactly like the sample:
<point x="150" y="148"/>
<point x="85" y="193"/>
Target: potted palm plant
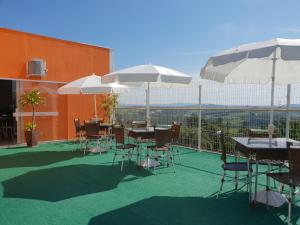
<point x="109" y="104"/>
<point x="33" y="99"/>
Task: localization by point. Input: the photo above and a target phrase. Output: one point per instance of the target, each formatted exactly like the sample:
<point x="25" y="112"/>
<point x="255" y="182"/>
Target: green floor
<point x="50" y="184"/>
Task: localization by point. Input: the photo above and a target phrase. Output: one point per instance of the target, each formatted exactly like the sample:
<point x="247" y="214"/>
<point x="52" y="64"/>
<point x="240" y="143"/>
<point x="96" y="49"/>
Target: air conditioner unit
<point x="36" y="67"/>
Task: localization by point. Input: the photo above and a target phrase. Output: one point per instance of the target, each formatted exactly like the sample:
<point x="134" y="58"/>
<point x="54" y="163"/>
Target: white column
<point x="288" y="115"/>
<point x="199" y="118"/>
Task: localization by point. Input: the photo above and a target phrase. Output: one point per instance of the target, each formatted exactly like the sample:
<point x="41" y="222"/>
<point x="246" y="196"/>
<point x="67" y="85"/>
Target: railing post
<point x="199" y="119"/>
<point x="288" y="116"/>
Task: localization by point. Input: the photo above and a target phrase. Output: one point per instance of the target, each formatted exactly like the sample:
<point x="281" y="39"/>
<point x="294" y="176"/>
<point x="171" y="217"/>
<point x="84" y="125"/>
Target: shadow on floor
<point x="229" y="210"/>
<point x="59" y="183"/>
<point x="38" y="158"/>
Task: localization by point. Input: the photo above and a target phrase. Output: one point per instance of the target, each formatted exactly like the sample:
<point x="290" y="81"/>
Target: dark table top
<point x="144" y="133"/>
<point x="263" y="148"/>
<point x="264" y="143"/>
<point x="106" y="124"/>
<point x="102" y="125"/>
<point x="145" y="129"/>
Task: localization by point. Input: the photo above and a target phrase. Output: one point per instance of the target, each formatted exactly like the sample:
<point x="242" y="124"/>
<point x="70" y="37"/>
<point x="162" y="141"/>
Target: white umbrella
<point x="150" y="75"/>
<point x="90" y="85"/>
<point x="276" y="61"/>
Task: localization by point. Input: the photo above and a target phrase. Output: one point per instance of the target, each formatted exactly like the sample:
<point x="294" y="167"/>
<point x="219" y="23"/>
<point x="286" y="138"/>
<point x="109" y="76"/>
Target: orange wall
<point x="66" y="61"/>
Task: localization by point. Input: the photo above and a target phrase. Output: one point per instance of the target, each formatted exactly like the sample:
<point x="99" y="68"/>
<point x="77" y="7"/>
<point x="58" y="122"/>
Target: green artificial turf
<point x="53" y="185"/>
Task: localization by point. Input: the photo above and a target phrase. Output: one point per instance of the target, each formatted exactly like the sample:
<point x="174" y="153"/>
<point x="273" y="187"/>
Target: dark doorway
<point x="8" y="128"/>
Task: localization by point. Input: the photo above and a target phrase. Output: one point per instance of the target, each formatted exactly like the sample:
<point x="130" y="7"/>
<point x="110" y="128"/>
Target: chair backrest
<point x="92" y="128"/>
<point x="175" y="131"/>
<point x="77" y="125"/>
<point x="294" y="161"/>
<point x="138" y="124"/>
<point x="119" y="134"/>
<point x="163" y="136"/>
<point x="222" y="144"/>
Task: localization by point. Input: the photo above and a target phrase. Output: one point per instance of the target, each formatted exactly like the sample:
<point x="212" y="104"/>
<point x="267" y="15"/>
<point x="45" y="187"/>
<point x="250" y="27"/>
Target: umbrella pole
<point x="271" y="125"/>
<point x="199" y="118"/>
<point x="148" y="105"/>
<point x="95" y="107"/>
<point x="288" y="115"/>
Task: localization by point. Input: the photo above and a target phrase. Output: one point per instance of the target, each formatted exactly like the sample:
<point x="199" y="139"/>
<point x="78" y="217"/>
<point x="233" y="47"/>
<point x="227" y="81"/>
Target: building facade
<point x="64" y="61"/>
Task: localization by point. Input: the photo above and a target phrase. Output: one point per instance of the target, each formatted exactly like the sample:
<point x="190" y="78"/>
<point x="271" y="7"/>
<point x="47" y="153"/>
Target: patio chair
<point x="233" y="167"/>
<point x="163" y="139"/>
<point x="262" y="133"/>
<point x="78" y="133"/>
<point x="291" y="178"/>
<point x="123" y="149"/>
<point x="92" y="134"/>
<point x="175" y="138"/>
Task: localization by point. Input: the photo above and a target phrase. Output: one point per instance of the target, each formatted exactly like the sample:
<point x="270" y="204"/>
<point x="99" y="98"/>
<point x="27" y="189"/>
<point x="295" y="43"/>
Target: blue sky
<point x="180" y="34"/>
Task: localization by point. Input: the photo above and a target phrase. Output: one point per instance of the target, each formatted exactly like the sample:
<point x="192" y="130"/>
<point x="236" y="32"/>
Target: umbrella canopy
<point x="275" y="61"/>
<point x="90" y="85"/>
<point x="147" y="74"/>
<point x="150" y="75"/>
<point x="253" y="63"/>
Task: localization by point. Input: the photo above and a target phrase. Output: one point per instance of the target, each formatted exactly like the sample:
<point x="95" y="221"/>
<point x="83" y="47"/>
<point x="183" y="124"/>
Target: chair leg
<point x="178" y="153"/>
<point x="290" y="206"/>
<point x="137" y="155"/>
<point x="148" y="159"/>
<point x="100" y="146"/>
<point x="156" y="161"/>
<point x="129" y="155"/>
<point x="77" y="147"/>
<point x="85" y="149"/>
<point x="293" y="195"/>
<point x="236" y="179"/>
<point x="122" y="163"/>
<point x="256" y="181"/>
<point x="163" y="156"/>
<point x="221" y="186"/>
<point x="268" y="186"/>
<point x="115" y="155"/>
<point x="249" y="185"/>
<point x="80" y="143"/>
<point x="172" y="160"/>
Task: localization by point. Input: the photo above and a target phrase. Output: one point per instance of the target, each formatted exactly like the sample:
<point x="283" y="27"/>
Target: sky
<point x="181" y="34"/>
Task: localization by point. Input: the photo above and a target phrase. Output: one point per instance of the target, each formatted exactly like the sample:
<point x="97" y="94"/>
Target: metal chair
<point x="121" y="147"/>
<point x="92" y="134"/>
<point x="291" y="178"/>
<point x="163" y="139"/>
<point x="233" y="167"/>
<point x="78" y="133"/>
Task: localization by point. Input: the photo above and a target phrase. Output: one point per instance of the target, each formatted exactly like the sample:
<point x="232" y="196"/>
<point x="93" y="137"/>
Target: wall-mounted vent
<point x="36" y="67"/>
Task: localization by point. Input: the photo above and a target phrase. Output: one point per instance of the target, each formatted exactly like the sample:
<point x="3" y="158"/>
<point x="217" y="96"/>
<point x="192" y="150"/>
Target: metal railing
<point x="234" y="121"/>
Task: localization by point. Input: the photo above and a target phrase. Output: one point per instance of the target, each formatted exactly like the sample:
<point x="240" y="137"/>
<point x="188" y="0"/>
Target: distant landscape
<point x="183" y="105"/>
<point x="233" y="122"/>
